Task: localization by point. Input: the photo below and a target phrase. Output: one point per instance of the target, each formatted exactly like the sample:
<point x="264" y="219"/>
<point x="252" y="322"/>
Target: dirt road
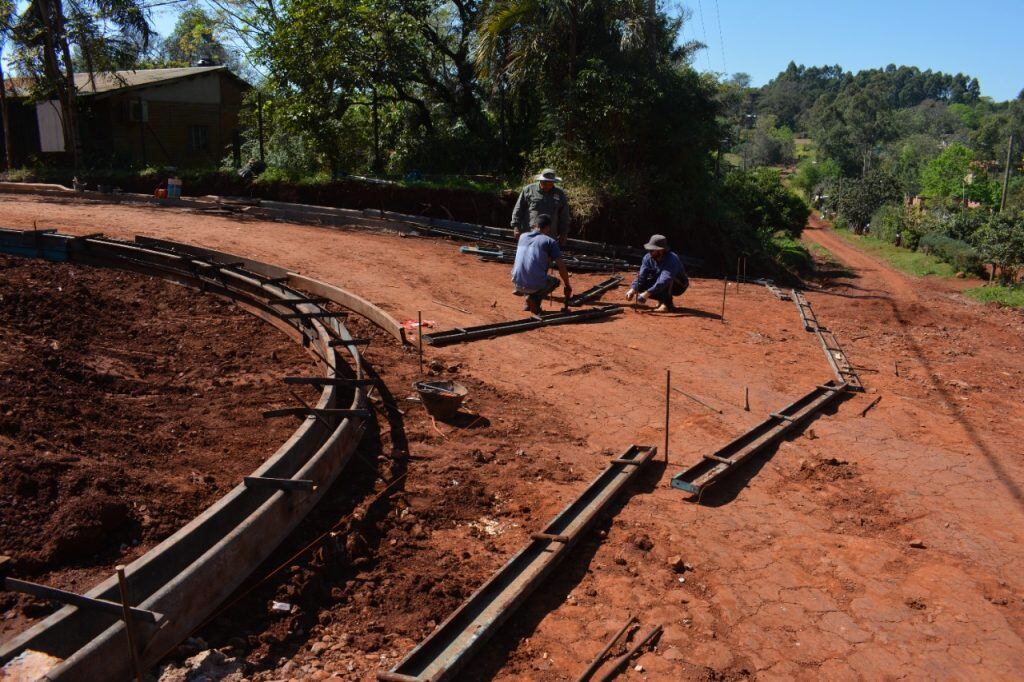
<point x="803" y="564"/>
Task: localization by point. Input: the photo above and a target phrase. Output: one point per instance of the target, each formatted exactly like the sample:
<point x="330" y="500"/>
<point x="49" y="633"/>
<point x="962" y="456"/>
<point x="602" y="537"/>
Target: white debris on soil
<point x="206" y="666"/>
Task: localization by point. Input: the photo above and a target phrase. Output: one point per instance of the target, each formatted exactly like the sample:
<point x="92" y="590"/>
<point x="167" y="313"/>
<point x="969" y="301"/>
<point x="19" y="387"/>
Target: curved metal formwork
<point x="189" y="574"/>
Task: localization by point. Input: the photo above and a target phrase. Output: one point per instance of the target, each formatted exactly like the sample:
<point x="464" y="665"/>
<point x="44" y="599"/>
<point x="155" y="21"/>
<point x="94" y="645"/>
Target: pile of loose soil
<point x="127" y="405"/>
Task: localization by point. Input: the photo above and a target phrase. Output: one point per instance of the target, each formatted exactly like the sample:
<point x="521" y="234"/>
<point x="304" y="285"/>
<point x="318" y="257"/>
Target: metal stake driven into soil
<point x="453" y="643"/>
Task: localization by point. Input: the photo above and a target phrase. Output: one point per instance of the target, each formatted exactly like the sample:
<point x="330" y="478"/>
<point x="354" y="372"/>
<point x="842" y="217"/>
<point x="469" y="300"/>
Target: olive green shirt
<point x="532" y="202"/>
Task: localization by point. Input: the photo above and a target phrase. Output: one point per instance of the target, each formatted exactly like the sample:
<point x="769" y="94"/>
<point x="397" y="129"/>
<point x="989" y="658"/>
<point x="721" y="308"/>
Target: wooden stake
<point x="725" y="286"/>
<point x="129" y="626"/>
<point x="419" y="337"/>
<point x="668" y="388"/>
<point x="746" y="398"/>
<point x="738" y="260"/>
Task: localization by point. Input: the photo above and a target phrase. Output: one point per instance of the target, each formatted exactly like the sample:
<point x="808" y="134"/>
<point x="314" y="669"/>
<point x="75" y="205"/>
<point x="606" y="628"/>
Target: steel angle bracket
<point x="450" y="647"/>
<point x="487" y="331"/>
<point x="770" y="431"/>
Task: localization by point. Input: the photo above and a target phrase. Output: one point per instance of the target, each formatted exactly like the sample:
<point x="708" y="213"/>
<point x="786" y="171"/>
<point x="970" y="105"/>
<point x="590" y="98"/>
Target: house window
<point x="198" y="138"/>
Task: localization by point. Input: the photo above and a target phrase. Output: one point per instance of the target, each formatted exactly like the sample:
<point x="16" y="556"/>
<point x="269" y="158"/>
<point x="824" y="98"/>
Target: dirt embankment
<point x="127" y="406"/>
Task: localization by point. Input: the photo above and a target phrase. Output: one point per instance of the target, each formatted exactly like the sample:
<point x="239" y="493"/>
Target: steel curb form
<point x="188" y="574"/>
<point x="464" y="632"/>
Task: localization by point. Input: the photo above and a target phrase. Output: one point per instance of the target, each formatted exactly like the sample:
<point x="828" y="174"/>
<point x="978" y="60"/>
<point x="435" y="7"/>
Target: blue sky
<point x="981" y="38"/>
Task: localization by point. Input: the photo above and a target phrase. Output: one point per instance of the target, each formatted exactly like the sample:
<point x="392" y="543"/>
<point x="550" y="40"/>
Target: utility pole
<point x="1006" y="174"/>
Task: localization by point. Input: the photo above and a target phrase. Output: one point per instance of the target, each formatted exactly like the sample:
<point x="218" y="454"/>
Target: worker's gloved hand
<point x="630" y="294"/>
<point x="641" y="297"/>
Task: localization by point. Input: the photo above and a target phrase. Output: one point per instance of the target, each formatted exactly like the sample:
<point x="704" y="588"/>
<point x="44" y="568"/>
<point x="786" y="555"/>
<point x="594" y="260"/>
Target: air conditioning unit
<point x="137" y="111"/>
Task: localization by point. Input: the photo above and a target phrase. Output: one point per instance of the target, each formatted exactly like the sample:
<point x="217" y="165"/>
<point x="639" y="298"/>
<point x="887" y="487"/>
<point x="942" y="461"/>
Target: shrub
<point x="959" y="254"/>
<point x="887" y="222"/>
<point x="765" y="204"/>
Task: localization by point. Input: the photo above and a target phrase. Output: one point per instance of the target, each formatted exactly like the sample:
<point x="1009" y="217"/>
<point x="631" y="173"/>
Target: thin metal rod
<point x="621" y="661"/>
<point x="696" y="400"/>
<point x="596" y="663"/>
<point x="129" y="624"/>
<point x="725" y="286"/>
<point x="453" y="307"/>
<point x="874" y="402"/>
<point x="419" y="337"/>
<point x="668" y="395"/>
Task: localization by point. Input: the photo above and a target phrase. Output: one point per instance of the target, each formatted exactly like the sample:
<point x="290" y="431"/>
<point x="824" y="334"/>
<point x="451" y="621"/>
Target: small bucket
<point x="442" y="399"/>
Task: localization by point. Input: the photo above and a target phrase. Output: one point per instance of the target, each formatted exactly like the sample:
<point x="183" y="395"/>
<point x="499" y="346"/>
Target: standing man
<point x="542" y="197"/>
<point x="661" y="276"/>
<point x="534" y="254"/>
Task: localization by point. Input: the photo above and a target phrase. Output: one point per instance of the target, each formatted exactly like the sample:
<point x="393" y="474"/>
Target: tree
<point x="1001" y="243"/>
<point x="6" y="15"/>
<point x="945" y="175"/>
<point x="48" y="31"/>
<point x="195" y="39"/>
<point x="859" y="198"/>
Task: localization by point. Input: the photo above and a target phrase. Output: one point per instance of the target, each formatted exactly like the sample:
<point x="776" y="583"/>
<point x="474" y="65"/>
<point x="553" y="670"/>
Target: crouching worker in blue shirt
<point x="535" y="252"/>
<point x="661" y="276"/>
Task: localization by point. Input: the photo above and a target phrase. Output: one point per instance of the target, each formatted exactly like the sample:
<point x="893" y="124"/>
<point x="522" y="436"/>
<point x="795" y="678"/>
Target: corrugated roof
<point x="118" y="80"/>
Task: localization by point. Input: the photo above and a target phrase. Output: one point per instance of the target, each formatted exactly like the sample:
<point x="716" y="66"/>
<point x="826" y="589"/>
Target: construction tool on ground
<point x="625" y="658"/>
<point x="599" y="659"/>
<point x="487" y="331"/>
<point x="449" y="648"/>
<point x="769" y="432"/>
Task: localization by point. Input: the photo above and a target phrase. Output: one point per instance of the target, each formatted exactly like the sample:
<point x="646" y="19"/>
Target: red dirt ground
<point x="803" y="564"/>
<point x="127" y="406"/>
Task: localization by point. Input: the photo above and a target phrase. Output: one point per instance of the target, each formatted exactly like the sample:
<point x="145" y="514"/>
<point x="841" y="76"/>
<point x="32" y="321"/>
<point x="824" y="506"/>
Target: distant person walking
<point x="542" y="197"/>
<point x="535" y="252"/>
<point x="661" y="276"/>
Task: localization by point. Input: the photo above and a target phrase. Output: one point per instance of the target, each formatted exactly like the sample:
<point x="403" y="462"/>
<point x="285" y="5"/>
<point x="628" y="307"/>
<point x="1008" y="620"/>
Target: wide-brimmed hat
<point x="656" y="242"/>
<point x="548" y="174"/>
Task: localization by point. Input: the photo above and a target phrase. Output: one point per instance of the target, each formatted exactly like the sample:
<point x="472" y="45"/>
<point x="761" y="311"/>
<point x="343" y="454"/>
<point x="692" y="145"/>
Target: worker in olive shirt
<point x="661" y="276"/>
<point x="535" y="253"/>
<point x="542" y="197"/>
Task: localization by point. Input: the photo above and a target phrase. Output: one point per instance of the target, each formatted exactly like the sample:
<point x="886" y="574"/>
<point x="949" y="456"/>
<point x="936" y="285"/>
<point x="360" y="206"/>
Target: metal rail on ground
<point x="187" y="575"/>
<point x="595" y="292"/>
<point x="769" y="432"/>
<point x="834" y="353"/>
<point x="487" y="331"/>
<point x="460" y="636"/>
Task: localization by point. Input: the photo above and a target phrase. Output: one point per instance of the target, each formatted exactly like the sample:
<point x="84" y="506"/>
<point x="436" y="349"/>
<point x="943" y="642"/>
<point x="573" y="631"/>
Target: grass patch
<point x="821" y="252"/>
<point x="792" y="254"/>
<point x="1008" y="296"/>
<point x="913" y="263"/>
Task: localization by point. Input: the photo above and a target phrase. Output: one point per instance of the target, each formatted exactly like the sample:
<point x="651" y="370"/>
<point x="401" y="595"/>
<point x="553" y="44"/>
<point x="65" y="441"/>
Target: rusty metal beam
<point x="449" y="648"/>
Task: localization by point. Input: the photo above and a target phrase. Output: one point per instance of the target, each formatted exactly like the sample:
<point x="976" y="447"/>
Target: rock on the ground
<point x="206" y="666"/>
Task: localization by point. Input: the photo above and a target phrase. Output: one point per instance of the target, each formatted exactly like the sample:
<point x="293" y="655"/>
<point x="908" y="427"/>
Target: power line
<point x="721" y="40"/>
<point x="704" y="32"/>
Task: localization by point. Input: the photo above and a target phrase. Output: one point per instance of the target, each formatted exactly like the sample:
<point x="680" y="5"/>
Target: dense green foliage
<point x="765" y="203"/>
<point x="914" y="158"/>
